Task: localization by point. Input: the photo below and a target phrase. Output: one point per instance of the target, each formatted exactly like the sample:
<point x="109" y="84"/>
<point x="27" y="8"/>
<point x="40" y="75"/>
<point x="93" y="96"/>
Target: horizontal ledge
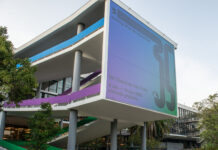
<point x="70" y="48"/>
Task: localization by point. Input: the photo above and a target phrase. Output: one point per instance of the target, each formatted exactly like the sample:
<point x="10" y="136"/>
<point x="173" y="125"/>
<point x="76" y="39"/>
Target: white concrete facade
<point x="92" y="56"/>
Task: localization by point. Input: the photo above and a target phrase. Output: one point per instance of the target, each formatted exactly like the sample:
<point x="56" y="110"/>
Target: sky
<point x="192" y="24"/>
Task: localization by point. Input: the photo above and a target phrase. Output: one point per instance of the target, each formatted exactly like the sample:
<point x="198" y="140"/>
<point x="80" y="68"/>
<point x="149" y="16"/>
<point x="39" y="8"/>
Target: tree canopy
<point x="155" y="131"/>
<point x="16" y="75"/>
<point x="208" y="113"/>
<point x="43" y="128"/>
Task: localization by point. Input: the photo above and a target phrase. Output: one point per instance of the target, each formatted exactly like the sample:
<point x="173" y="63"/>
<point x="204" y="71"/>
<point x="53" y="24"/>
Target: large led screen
<point x="141" y="64"/>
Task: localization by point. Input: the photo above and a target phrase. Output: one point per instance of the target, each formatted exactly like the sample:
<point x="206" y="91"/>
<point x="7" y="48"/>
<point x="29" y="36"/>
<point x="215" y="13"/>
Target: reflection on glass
<point x="60" y="87"/>
<point x="68" y="83"/>
<point x="53" y="86"/>
<point x="45" y="86"/>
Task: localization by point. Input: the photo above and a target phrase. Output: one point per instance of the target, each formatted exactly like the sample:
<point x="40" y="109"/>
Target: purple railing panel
<point x="92" y="90"/>
<point x="66" y="92"/>
<point x="91" y="76"/>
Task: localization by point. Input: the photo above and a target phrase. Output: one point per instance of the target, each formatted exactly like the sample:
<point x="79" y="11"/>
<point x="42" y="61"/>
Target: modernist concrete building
<point x="103" y="61"/>
<point x="184" y="133"/>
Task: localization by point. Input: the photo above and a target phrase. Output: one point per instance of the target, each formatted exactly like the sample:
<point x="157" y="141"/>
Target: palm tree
<point x="157" y="129"/>
<point x="155" y="132"/>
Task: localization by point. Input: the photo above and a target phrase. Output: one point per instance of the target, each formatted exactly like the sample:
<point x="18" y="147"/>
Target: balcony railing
<point x="69" y="42"/>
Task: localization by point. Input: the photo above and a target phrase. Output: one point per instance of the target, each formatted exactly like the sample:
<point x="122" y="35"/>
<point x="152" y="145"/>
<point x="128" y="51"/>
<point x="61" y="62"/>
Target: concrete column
<point x="76" y="71"/>
<point x="144" y="137"/>
<point x="77" y="63"/>
<point x="80" y="27"/>
<point x="114" y="135"/>
<point x="38" y="90"/>
<point x="72" y="130"/>
<point x="75" y="87"/>
<point x="2" y="124"/>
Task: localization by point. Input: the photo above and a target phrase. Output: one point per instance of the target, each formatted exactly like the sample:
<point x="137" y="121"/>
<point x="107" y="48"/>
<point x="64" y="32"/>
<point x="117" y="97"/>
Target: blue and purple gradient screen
<point x="141" y="64"/>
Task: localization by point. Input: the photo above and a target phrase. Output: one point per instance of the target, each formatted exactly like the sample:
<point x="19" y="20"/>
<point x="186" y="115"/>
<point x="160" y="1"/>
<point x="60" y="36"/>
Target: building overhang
<point x="181" y="137"/>
<point x="87" y="14"/>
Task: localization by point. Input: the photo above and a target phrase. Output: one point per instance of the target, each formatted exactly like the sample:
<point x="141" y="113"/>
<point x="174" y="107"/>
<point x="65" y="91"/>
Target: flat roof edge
<point x="78" y="12"/>
<point x="56" y="26"/>
<point x="187" y="108"/>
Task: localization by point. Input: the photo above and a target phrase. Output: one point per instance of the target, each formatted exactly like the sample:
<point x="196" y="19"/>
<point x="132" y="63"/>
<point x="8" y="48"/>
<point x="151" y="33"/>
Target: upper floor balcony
<point x="53" y="51"/>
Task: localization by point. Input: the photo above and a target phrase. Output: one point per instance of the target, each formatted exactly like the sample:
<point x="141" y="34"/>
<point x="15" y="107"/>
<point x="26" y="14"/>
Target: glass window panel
<point x="45" y="96"/>
<point x="45" y="86"/>
<point x="40" y="95"/>
<point x="53" y="86"/>
<point x="50" y="95"/>
<point x="68" y="83"/>
<point x="60" y="87"/>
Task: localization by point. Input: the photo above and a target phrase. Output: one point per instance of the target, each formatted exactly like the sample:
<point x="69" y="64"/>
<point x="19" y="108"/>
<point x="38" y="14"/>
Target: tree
<point x="157" y="129"/>
<point x="42" y="128"/>
<point x="16" y="75"/>
<point x="155" y="133"/>
<point x="208" y="124"/>
<point x="135" y="136"/>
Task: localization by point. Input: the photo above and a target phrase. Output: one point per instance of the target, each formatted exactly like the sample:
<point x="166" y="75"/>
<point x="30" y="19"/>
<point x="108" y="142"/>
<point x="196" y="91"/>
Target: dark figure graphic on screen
<point x="159" y="99"/>
<point x="164" y="77"/>
<point x="170" y="105"/>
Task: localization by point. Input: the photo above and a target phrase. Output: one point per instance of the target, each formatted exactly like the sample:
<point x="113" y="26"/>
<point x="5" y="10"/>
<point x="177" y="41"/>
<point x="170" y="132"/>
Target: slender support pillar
<point x="114" y="135"/>
<point x="76" y="71"/>
<point x="75" y="87"/>
<point x="72" y="130"/>
<point x="80" y="27"/>
<point x="2" y="124"/>
<point x="77" y="63"/>
<point x="38" y="90"/>
<point x="144" y="137"/>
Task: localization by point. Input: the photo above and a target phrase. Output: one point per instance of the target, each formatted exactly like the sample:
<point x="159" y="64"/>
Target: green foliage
<point x="157" y="129"/>
<point x="155" y="133"/>
<point x="135" y="136"/>
<point x="43" y="128"/>
<point x="153" y="143"/>
<point x="97" y="143"/>
<point x="16" y="83"/>
<point x="208" y="124"/>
